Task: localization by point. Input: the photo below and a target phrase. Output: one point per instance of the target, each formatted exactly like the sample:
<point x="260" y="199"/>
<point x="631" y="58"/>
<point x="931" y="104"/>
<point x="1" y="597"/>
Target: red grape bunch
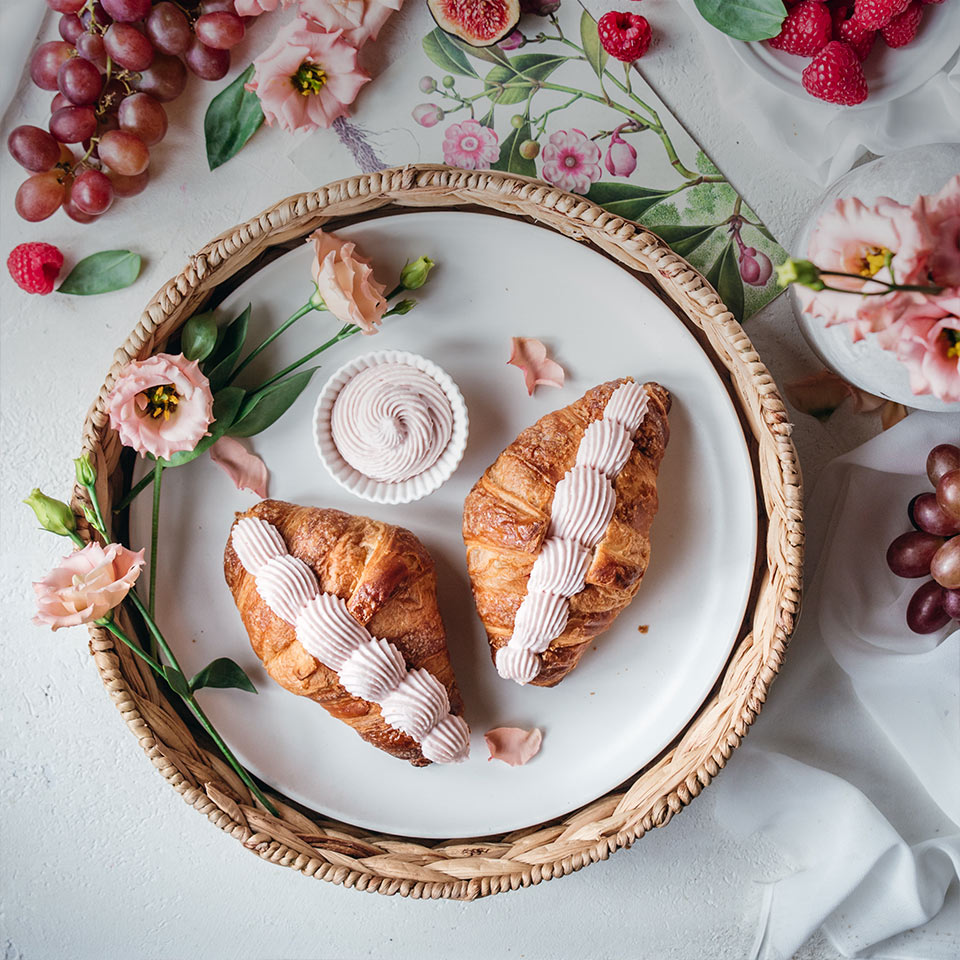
<point x="932" y="548"/>
<point x="116" y="65"/>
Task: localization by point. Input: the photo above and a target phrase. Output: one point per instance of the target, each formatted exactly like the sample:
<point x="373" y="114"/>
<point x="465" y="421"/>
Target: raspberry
<point x="835" y="75"/>
<point x="902" y="29"/>
<point x="858" y="36"/>
<point x="807" y="28"/>
<point x="878" y="13"/>
<point x="35" y="266"/>
<point x="624" y="36"/>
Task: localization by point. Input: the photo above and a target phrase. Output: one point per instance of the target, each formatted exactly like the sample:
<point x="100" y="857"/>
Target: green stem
<point x="303" y="311"/>
<point x="348" y="330"/>
<point x="155" y="535"/>
<point x="98" y="516"/>
<point x="919" y="287"/>
<point x="124" y="639"/>
<point x="135" y="492"/>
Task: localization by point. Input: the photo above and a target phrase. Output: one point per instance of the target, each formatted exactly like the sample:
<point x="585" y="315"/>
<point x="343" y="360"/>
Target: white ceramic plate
<point x="890" y="73"/>
<point x="496" y="278"/>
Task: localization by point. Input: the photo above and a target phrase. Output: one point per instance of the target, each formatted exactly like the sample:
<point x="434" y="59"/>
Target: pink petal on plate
<point x="530" y="355"/>
<point x="245" y="469"/>
<point x="513" y="745"/>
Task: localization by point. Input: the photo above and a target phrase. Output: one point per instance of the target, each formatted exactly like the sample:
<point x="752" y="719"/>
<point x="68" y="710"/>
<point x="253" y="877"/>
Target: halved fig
<point x="480" y="22"/>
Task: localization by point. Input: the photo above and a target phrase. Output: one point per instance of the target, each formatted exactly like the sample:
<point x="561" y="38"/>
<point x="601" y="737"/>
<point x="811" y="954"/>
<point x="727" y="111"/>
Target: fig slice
<point x="481" y="23"/>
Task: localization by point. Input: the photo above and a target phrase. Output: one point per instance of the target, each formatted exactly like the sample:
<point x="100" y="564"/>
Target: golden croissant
<point x="381" y="575"/>
<point x="507" y="521"/>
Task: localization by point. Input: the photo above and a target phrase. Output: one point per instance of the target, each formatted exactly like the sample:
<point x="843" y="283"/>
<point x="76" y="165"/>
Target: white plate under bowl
<point x="890" y="73"/>
<point x="496" y="278"/>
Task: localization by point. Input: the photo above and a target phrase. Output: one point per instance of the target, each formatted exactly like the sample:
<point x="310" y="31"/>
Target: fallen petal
<point x="530" y="355"/>
<point x="513" y="745"/>
<point x="891" y="413"/>
<point x="245" y="469"/>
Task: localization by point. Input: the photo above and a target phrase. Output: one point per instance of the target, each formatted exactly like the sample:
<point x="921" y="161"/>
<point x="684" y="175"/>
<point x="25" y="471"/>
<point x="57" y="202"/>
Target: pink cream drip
<point x="583" y="505"/>
<point x="412" y="701"/>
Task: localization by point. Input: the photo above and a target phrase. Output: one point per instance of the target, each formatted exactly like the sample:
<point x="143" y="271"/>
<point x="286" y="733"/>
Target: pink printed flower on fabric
<point x="360" y="20"/>
<point x="571" y="161"/>
<point x="87" y="585"/>
<point x="621" y="159"/>
<point x="307" y="77"/>
<point x="470" y="145"/>
<point x="345" y="281"/>
<point x="926" y="339"/>
<point x="851" y="237"/>
<point x="161" y="405"/>
<point x="942" y="211"/>
<point x="253" y="8"/>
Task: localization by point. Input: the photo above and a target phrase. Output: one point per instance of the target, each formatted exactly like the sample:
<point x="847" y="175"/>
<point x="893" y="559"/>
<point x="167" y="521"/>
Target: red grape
<point x="129" y="186"/>
<point x="928" y="516"/>
<point x="73" y="211"/>
<point x="59" y="101"/>
<point x="206" y="62"/>
<point x="70" y="27"/>
<point x="945" y="565"/>
<point x="96" y="15"/>
<point x="217" y="6"/>
<point x="66" y="155"/>
<point x="80" y="81"/>
<point x="33" y="148"/>
<point x="73" y="124"/>
<point x="925" y="613"/>
<point x="39" y="196"/>
<point x="128" y="46"/>
<point x="143" y="115"/>
<point x="910" y="554"/>
<point x="165" y="79"/>
<point x="66" y="6"/>
<point x="951" y="603"/>
<point x="124" y="152"/>
<point x="219" y="30"/>
<point x="46" y="63"/>
<point x="948" y="494"/>
<point x="111" y="98"/>
<point x="92" y="192"/>
<point x="90" y="46"/>
<point x="127" y="11"/>
<point x="168" y="28"/>
<point x="943" y="458"/>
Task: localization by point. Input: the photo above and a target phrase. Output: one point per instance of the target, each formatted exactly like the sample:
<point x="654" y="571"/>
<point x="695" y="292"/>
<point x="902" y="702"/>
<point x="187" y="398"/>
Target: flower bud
<point x="621" y="158"/>
<point x="427" y="114"/>
<point x="799" y="271"/>
<point x="414" y="275"/>
<point x="427" y="84"/>
<point x="512" y="40"/>
<point x="54" y="515"/>
<point x="86" y="474"/>
<point x="403" y="307"/>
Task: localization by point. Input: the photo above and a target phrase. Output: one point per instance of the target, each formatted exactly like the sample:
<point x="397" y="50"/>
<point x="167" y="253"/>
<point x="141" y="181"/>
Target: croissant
<point x="582" y="581"/>
<point x="378" y="583"/>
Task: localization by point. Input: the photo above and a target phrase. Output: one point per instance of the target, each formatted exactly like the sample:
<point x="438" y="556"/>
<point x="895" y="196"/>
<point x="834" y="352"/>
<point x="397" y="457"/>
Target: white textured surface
<point x="100" y="858"/>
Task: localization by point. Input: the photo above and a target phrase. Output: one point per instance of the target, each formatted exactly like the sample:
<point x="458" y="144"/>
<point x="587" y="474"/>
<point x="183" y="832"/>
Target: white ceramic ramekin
<point x="378" y="491"/>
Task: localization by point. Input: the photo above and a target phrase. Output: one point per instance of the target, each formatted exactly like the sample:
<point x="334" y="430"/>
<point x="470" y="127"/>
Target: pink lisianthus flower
<point x="360" y="20"/>
<point x="942" y="211"/>
<point x="571" y="161"/>
<point x="253" y="8"/>
<point x="345" y="281"/>
<point x="470" y="145"/>
<point x="87" y="585"/>
<point x="926" y="339"/>
<point x="854" y="238"/>
<point x="307" y="77"/>
<point x="161" y="405"/>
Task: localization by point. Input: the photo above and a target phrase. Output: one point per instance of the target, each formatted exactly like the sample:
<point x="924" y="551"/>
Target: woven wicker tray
<point x="468" y="868"/>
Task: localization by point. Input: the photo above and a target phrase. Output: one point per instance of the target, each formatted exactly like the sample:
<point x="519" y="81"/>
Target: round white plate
<point x="496" y="278"/>
<point x="890" y="73"/>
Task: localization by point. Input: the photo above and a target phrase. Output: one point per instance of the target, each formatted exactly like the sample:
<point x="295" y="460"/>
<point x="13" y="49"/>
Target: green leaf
<point x="590" y="38"/>
<point x="224" y="358"/>
<point x="492" y="54"/>
<point x="510" y="160"/>
<point x="744" y="19"/>
<point x="525" y="67"/>
<point x="178" y="682"/>
<point x="487" y="121"/>
<point x="102" y="272"/>
<point x="233" y="117"/>
<point x="222" y="673"/>
<point x="226" y="406"/>
<point x="199" y="336"/>
<point x="265" y="407"/>
<point x="446" y="54"/>
<point x="684" y="238"/>
<point x="724" y="277"/>
<point x="626" y="199"/>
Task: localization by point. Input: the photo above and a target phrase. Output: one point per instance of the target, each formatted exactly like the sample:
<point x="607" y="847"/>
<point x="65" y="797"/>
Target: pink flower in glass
<point x="253" y="8"/>
<point x="942" y="211"/>
<point x="471" y="145"/>
<point x="571" y="161"/>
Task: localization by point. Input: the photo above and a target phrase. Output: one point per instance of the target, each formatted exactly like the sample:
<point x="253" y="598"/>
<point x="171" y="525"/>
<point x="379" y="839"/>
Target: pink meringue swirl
<point x="391" y="422"/>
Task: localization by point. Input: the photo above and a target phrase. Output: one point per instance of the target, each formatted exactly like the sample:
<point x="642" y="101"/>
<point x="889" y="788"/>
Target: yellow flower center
<point x="953" y="341"/>
<point x="161" y="401"/>
<point x="874" y="260"/>
<point x="310" y="78"/>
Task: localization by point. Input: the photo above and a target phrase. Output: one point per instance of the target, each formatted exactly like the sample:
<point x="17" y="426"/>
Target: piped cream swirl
<point x="391" y="422"/>
<point x="412" y="701"/>
<point x="583" y="505"/>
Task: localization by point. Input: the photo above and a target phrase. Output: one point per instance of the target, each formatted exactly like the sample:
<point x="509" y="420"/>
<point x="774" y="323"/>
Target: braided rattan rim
<point x="467" y="869"/>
